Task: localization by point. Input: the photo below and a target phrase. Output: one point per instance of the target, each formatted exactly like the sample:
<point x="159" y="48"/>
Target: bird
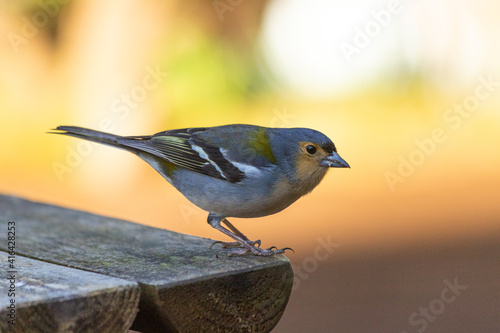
<point x="240" y="171"/>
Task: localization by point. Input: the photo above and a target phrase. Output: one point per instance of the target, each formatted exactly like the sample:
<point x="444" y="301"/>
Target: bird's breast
<point x="251" y="197"/>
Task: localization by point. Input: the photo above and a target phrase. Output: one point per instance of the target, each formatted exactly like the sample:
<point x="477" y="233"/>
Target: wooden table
<point x="72" y="271"/>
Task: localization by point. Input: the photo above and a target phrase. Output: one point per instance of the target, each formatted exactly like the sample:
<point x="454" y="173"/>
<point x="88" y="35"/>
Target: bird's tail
<point x="95" y="136"/>
<point x="88" y="134"/>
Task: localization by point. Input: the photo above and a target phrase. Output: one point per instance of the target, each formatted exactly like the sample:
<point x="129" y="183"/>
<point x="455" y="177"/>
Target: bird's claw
<point x="226" y="245"/>
<point x="241" y="250"/>
<point x="287" y="248"/>
<point x="217" y="242"/>
<point x="275" y="250"/>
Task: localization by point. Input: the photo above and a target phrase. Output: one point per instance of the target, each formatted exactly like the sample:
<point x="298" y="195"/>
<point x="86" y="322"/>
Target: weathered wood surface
<point x="52" y="298"/>
<point x="184" y="287"/>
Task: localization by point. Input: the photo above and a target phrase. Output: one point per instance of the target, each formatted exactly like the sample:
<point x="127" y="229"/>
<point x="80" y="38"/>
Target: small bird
<point x="241" y="171"/>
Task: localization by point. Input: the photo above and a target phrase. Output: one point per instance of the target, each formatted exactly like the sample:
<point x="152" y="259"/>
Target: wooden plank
<point x="184" y="287"/>
<point x="41" y="297"/>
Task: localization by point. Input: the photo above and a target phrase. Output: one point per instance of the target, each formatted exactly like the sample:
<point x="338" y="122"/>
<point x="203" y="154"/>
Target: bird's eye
<point x="311" y="149"/>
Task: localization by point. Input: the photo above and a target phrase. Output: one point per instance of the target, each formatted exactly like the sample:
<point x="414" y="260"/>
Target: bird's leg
<point x="240" y="239"/>
<point x="243" y="244"/>
<point x="238" y="233"/>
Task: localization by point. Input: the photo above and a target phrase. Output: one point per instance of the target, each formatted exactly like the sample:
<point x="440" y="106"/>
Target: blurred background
<point x="409" y="91"/>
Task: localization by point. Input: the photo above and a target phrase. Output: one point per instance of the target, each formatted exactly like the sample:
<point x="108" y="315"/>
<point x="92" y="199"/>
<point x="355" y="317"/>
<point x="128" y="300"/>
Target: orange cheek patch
<point x="306" y="166"/>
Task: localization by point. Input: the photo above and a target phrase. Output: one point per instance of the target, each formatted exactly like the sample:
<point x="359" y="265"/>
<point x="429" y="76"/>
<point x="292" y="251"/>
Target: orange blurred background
<point x="408" y="91"/>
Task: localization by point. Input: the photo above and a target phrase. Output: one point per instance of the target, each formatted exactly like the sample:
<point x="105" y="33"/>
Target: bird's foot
<point x="243" y="249"/>
<point x="226" y="245"/>
<point x="242" y="245"/>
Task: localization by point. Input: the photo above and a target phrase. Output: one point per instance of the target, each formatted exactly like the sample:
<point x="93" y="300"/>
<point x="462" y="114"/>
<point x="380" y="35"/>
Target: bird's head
<point x="306" y="155"/>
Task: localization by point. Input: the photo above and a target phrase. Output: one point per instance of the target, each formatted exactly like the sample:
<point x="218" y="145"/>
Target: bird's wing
<point x="185" y="148"/>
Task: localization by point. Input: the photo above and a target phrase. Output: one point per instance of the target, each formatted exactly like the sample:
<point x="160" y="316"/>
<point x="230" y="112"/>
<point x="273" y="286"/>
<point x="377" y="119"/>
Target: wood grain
<point x="52" y="298"/>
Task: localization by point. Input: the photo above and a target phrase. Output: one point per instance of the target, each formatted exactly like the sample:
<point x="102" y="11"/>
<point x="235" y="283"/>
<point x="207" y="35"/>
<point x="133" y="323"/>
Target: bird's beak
<point x="334" y="161"/>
